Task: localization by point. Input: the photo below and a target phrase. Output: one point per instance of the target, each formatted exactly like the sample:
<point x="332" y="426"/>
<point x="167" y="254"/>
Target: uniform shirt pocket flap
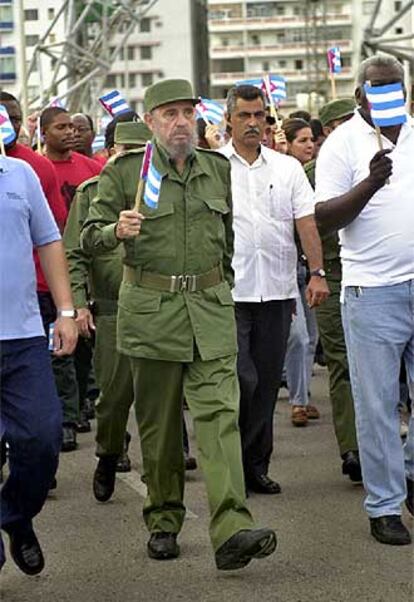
<point x="164" y="208"/>
<point x="224" y="295"/>
<point x="138" y="300"/>
<point x="219" y="205"/>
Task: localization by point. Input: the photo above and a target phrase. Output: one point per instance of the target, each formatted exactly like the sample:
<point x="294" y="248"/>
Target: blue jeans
<point x="379" y="332"/>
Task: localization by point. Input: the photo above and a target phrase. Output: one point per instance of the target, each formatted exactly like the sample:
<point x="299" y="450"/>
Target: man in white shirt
<point x="271" y="195"/>
<point x="369" y="194"/>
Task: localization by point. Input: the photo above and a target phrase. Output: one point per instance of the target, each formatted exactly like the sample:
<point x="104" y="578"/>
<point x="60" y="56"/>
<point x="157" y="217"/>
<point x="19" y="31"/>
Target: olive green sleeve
<point x="228" y="224"/>
<point x="98" y="232"/>
<point x="78" y="260"/>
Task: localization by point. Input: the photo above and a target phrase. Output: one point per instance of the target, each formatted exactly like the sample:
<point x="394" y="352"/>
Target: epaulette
<point x="126" y="153"/>
<point x="212" y="152"/>
<point x="82" y="187"/>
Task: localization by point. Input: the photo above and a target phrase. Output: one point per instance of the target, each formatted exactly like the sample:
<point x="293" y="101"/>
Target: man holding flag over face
<point x="171" y="208"/>
<point x="367" y="194"/>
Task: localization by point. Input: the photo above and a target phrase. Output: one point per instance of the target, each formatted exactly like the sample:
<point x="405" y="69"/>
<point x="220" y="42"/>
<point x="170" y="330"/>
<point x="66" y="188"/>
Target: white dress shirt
<point x="267" y="197"/>
<point x="377" y="248"/>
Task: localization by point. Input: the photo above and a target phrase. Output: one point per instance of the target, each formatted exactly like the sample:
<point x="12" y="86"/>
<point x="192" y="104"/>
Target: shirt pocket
<point x="280" y="206"/>
<point x="158" y="232"/>
<point x="208" y="227"/>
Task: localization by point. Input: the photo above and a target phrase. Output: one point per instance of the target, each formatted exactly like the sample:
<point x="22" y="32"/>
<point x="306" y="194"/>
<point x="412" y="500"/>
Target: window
<point x="397" y="6"/>
<point x="147" y="79"/>
<point x="32" y="40"/>
<point x="299" y="64"/>
<point x="52" y="38"/>
<point x="121" y="80"/>
<point x="50" y="13"/>
<point x="7" y="68"/>
<point x="280" y="36"/>
<point x="145" y="25"/>
<point x="399" y="30"/>
<point x="265" y="66"/>
<point x="130" y="53"/>
<point x="282" y="64"/>
<point x="368" y="7"/>
<point x="110" y="81"/>
<point x="146" y="52"/>
<point x="280" y="10"/>
<point x="132" y="80"/>
<point x="6" y="16"/>
<point x="31" y="14"/>
<point x="255" y="40"/>
<point x="297" y="10"/>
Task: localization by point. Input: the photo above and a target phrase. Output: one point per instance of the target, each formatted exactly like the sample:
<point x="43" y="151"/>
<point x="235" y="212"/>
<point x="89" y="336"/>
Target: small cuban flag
<point x="55" y="101"/>
<point x="334" y="60"/>
<point x="210" y="110"/>
<point x="277" y="86"/>
<point x="114" y="103"/>
<point x="152" y="178"/>
<point x="387" y="104"/>
<point x="7" y="133"/>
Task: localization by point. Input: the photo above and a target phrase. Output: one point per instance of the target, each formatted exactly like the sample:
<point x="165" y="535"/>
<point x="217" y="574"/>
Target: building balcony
<point x="274" y="22"/>
<point x="280" y="50"/>
<point x="228" y="79"/>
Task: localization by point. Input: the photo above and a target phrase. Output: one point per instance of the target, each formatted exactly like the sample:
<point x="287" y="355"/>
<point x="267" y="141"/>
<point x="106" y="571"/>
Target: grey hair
<point x="378" y="60"/>
<point x="246" y="92"/>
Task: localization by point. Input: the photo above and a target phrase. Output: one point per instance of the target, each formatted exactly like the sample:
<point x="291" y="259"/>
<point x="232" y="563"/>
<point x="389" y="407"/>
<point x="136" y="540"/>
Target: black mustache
<point x="252" y="131"/>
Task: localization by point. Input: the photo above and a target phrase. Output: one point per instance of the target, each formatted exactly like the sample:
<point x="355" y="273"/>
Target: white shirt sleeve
<point x="333" y="170"/>
<point x="302" y="194"/>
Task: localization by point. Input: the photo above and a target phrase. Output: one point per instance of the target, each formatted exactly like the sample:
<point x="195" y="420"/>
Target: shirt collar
<point x="229" y="151"/>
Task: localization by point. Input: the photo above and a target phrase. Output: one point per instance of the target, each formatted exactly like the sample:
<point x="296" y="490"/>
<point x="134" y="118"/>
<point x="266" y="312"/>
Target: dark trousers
<point x="262" y="336"/>
<point x="71" y="371"/>
<point x="31" y="423"/>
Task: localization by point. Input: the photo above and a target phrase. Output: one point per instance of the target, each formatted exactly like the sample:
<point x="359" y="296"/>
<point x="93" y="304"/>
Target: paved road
<point x="96" y="552"/>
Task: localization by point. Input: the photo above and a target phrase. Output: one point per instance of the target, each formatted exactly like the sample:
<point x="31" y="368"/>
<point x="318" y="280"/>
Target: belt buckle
<point x="183" y="282"/>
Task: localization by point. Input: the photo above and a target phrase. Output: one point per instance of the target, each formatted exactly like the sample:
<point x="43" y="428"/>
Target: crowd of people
<point x="266" y="239"/>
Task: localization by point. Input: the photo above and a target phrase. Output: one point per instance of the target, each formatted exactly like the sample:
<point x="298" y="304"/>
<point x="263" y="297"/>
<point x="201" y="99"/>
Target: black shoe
<point x="25" y="550"/>
<point x="89" y="408"/>
<point x="263" y="484"/>
<point x="123" y="464"/>
<point x="390" y="530"/>
<point x="163" y="546"/>
<point x="69" y="439"/>
<point x="409" y="500"/>
<point x="104" y="478"/>
<point x="239" y="550"/>
<point x="83" y="424"/>
<point x="190" y="462"/>
<point x="351" y="466"/>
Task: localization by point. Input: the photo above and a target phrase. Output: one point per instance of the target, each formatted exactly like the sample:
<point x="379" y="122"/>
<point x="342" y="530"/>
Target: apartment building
<point x="289" y="37"/>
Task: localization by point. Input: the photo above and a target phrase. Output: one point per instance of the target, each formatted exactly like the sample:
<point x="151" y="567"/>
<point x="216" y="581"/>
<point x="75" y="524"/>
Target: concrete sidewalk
<point x="97" y="552"/>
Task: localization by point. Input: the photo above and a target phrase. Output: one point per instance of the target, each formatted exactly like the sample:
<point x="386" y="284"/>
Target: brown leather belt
<point x="174" y="284"/>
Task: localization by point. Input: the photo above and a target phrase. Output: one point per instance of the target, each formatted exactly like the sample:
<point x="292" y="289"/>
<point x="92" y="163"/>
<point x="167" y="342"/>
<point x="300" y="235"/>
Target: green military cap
<point x="132" y="132"/>
<point x="168" y="90"/>
<point x="336" y="109"/>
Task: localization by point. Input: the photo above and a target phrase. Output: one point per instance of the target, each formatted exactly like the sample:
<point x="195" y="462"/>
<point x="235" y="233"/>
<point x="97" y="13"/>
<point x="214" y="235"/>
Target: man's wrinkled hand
<point x="129" y="224"/>
<point x="280" y="144"/>
<point x="317" y="291"/>
<point x="65" y="336"/>
<point x="84" y="322"/>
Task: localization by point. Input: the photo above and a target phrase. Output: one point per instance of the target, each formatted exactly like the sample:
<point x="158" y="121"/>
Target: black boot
<point x="104" y="478"/>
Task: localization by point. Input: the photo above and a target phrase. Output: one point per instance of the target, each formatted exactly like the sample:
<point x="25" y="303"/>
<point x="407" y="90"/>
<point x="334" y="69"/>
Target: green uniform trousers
<point x="114" y="378"/>
<point x="211" y="391"/>
<point x="333" y="343"/>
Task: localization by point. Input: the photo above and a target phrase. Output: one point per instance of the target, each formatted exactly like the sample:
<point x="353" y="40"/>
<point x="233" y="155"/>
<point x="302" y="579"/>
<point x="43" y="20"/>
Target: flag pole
<point x="138" y="196"/>
<point x="273" y="110"/>
<point x="39" y="141"/>
<point x="333" y="85"/>
<point x="2" y="148"/>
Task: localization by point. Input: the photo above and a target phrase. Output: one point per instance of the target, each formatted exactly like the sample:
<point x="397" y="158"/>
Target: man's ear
<point x="149" y="119"/>
<point x="359" y="93"/>
<point x="327" y="130"/>
<point x="227" y="117"/>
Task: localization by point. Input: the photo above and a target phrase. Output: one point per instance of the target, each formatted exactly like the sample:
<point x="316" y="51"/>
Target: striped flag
<point x="152" y="178"/>
<point x="114" y="103"/>
<point x="334" y="59"/>
<point x="7" y="133"/>
<point x="387" y="104"/>
<point x="277" y="86"/>
<point x="56" y="102"/>
<point x="211" y="110"/>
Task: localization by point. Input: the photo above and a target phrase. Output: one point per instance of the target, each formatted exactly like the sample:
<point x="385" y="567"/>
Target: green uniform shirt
<point x="97" y="277"/>
<point x="190" y="232"/>
<point x="330" y="242"/>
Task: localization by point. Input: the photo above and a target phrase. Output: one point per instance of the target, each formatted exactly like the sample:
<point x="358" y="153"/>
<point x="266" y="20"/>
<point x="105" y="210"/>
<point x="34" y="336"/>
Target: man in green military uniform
<point x="176" y="323"/>
<point x="103" y="275"/>
<point x="329" y="319"/>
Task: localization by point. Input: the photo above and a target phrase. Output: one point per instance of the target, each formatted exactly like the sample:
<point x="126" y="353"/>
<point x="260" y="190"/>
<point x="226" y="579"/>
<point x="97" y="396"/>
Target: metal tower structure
<point x="377" y="38"/>
<point x="95" y="33"/>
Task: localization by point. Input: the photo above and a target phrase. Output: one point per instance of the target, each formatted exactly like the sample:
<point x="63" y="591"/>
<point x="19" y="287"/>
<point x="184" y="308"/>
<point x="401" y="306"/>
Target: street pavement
<point x="97" y="552"/>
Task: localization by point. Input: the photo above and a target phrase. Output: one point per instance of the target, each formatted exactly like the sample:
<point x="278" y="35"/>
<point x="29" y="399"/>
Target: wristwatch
<point x="319" y="272"/>
<point x="67" y="313"/>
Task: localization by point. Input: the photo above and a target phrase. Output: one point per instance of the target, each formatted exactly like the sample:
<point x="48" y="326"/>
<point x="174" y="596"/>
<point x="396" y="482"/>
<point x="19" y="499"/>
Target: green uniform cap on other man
<point x="336" y="109"/>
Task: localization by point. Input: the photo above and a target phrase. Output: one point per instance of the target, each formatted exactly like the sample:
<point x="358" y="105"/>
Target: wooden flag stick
<point x="2" y="149"/>
<point x="380" y="143"/>
<point x="39" y="140"/>
<point x="273" y="109"/>
<point x="333" y="86"/>
<point x="138" y="196"/>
